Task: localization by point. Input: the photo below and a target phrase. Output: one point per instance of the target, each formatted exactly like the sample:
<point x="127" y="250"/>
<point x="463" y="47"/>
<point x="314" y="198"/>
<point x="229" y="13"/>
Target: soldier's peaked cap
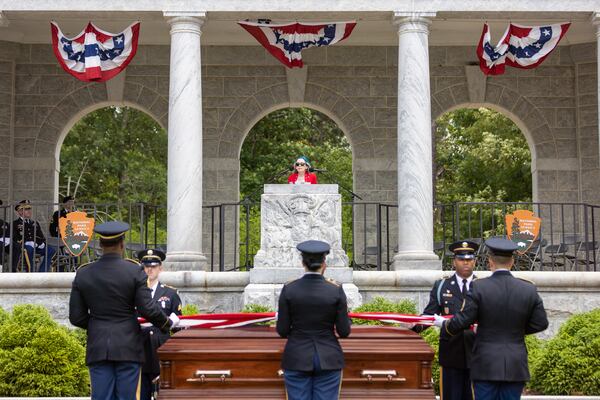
<point x="23" y="204"/>
<point x="151" y="257"/>
<point x="111" y="229"/>
<point x="464" y="249"/>
<point x="501" y="246"/>
<point x="313" y="247"/>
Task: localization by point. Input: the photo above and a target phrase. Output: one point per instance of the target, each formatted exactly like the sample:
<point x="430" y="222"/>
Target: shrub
<point x="257" y="308"/>
<point x="570" y="362"/>
<point x="380" y="304"/>
<point x="38" y="357"/>
<point x="190" y="309"/>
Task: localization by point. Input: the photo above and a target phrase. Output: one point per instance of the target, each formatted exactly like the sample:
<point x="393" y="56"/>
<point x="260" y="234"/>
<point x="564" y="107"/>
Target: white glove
<point x="438" y="320"/>
<point x="6" y="241"/>
<point x="174" y="319"/>
<point x="30" y="244"/>
<point x="42" y="246"/>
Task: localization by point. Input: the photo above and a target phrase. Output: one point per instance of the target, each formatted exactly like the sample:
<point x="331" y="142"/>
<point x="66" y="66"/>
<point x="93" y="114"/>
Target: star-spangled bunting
<point x="520" y="47"/>
<point x="236" y="320"/>
<point x="286" y="41"/>
<point x="95" y="55"/>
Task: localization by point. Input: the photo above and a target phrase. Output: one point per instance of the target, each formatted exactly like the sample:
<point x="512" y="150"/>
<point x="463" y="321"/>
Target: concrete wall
<point x="564" y="294"/>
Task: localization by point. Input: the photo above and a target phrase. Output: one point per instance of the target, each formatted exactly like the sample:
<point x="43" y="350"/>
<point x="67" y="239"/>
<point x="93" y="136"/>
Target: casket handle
<point x="201" y="375"/>
<point x="389" y="374"/>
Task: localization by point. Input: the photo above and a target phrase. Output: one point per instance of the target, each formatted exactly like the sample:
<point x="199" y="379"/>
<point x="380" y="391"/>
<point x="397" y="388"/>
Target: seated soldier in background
<point x="68" y="205"/>
<point x="4" y="235"/>
<point x="170" y="303"/>
<point x="29" y="240"/>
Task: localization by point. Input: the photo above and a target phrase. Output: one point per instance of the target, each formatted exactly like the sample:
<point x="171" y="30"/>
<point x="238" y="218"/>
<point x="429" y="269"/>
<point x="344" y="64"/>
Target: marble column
<point x="415" y="189"/>
<point x="184" y="184"/>
<point x="596" y="21"/>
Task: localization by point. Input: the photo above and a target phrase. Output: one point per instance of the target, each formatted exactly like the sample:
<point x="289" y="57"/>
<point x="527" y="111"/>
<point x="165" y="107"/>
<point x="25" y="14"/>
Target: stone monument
<point x="291" y="214"/>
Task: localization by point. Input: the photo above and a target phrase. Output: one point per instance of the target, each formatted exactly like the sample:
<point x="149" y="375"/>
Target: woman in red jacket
<point x="301" y="174"/>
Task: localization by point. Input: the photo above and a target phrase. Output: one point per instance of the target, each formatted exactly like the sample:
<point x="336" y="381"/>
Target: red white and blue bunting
<point x="520" y="47"/>
<point x="236" y="320"/>
<point x="95" y="55"/>
<point x="286" y="41"/>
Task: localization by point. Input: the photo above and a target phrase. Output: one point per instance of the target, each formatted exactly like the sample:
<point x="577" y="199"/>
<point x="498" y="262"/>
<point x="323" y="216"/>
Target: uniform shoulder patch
<point x="332" y="281"/>
<point x="169" y="286"/>
<point x="131" y="260"/>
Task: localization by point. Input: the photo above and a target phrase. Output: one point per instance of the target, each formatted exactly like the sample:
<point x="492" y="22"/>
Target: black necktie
<point x="464" y="288"/>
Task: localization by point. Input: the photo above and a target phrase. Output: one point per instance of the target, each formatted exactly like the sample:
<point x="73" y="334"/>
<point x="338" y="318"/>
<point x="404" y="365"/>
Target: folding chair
<point x="555" y="253"/>
<point x="585" y="253"/>
<point x="572" y="241"/>
<point x="535" y="254"/>
<point x="133" y="248"/>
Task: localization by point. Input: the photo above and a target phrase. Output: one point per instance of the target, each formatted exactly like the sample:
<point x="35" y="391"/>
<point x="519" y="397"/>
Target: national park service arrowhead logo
<point x="523" y="228"/>
<point x="76" y="230"/>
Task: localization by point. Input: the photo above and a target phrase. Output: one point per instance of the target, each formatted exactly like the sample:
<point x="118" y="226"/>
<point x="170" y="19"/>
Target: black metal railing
<point x="568" y="239"/>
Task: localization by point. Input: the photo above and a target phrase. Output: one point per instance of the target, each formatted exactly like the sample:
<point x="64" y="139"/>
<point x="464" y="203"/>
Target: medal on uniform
<point x="446" y="310"/>
<point x="163" y="304"/>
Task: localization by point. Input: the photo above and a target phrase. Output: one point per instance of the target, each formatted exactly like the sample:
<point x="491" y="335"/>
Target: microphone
<point x="316" y="170"/>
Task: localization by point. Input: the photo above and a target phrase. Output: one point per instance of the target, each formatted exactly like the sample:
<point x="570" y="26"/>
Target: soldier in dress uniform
<point x="309" y="309"/>
<point x="167" y="298"/>
<point x="29" y="240"/>
<point x="447" y="297"/>
<point x="4" y="235"/>
<point x="68" y="205"/>
<point x="104" y="299"/>
<point x="505" y="309"/>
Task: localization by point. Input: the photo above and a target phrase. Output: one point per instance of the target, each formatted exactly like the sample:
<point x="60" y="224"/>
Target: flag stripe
<point x="235" y="320"/>
<point x="95" y="55"/>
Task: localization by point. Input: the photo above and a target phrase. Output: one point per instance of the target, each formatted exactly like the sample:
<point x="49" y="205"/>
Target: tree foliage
<point x="120" y="154"/>
<point x="481" y="155"/>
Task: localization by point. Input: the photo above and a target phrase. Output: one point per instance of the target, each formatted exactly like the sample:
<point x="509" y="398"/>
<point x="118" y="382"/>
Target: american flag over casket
<point x="95" y="55"/>
<point x="236" y="320"/>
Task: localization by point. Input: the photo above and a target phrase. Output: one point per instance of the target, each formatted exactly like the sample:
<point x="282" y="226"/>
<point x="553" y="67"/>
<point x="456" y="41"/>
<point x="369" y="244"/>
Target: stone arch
<point x="273" y="98"/>
<point x="515" y="119"/>
<point x="528" y="123"/>
<point x="78" y="103"/>
<point x="519" y="109"/>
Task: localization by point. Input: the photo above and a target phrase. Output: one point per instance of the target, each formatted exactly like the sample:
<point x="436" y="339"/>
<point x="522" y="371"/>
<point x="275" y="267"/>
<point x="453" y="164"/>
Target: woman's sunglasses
<point x="299" y="164"/>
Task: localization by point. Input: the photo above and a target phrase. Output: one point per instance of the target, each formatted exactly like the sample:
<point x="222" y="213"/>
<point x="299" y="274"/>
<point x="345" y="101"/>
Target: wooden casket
<point x="381" y="363"/>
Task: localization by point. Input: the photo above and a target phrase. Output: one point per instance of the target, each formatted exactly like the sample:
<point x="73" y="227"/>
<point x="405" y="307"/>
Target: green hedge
<point x="39" y="357"/>
<point x="569" y="363"/>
